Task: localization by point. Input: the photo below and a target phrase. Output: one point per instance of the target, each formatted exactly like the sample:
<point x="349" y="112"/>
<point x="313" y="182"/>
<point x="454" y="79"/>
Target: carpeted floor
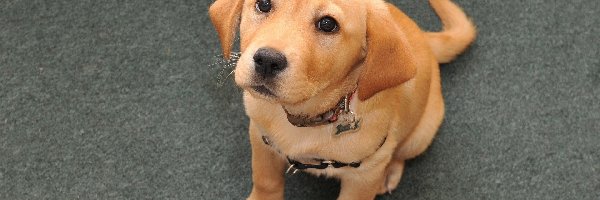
<point x="107" y="99"/>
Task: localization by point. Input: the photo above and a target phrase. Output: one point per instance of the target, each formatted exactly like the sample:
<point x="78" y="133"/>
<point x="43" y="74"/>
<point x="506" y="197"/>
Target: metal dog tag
<point x="348" y="123"/>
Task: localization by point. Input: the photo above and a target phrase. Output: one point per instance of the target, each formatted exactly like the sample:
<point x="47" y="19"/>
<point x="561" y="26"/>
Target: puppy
<point x="343" y="88"/>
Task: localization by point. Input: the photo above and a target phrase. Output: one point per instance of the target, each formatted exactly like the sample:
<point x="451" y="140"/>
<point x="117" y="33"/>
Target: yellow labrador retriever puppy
<point x="343" y="88"/>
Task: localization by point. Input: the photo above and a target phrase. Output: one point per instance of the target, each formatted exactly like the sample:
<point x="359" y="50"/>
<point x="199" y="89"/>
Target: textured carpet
<point x="107" y="99"/>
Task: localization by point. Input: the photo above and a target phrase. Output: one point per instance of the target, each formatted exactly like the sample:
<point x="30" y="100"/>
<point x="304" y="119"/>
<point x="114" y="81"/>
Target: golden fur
<point x="378" y="49"/>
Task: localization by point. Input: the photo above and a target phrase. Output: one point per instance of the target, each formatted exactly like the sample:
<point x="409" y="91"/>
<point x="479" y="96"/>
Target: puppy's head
<point x="295" y="50"/>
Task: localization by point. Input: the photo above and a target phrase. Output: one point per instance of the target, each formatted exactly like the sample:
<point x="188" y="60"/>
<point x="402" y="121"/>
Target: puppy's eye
<point x="327" y="24"/>
<point x="263" y="5"/>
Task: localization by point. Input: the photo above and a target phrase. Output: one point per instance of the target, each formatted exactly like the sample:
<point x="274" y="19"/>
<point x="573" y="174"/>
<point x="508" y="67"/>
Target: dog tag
<point x="348" y="123"/>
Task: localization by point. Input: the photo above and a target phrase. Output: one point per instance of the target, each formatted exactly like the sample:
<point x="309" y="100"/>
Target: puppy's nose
<point x="269" y="62"/>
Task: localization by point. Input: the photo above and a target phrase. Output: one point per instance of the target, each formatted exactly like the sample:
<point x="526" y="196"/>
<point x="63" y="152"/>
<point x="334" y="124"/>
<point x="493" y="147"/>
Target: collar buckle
<point x="289" y="169"/>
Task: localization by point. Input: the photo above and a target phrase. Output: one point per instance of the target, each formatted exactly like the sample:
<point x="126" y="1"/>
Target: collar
<point x="328" y="117"/>
<point x="323" y="163"/>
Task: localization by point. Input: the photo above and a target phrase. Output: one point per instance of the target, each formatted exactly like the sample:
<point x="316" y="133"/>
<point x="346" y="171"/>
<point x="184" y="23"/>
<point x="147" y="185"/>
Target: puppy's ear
<point x="389" y="61"/>
<point x="225" y="16"/>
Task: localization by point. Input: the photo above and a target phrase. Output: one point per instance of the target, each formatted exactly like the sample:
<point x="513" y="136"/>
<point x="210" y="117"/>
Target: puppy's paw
<point x="393" y="175"/>
<point x="251" y="197"/>
<point x="259" y="195"/>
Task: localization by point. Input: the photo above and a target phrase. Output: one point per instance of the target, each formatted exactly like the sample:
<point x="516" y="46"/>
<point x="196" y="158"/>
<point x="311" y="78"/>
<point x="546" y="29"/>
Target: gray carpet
<point x="107" y="99"/>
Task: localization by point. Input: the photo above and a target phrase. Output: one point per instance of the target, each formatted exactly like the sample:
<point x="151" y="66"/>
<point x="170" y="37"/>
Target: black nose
<point x="269" y="62"/>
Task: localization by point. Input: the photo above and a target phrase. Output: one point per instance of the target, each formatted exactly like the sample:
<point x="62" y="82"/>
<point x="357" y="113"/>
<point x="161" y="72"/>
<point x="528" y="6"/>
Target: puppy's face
<point x="293" y="49"/>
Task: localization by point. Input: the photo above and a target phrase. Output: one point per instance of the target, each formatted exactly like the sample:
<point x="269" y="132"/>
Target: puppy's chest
<point x="320" y="143"/>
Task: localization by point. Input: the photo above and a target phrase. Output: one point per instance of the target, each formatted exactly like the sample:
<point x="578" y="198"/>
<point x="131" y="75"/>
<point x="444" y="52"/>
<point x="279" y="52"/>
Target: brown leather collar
<point x="324" y="118"/>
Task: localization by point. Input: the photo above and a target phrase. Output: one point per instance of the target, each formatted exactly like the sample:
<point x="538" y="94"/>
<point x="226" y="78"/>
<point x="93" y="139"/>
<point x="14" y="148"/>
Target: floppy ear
<point x="225" y="16"/>
<point x="389" y="61"/>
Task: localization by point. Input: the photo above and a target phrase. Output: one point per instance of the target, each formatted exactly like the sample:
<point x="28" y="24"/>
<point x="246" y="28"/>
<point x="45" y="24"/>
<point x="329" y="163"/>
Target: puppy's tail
<point x="457" y="34"/>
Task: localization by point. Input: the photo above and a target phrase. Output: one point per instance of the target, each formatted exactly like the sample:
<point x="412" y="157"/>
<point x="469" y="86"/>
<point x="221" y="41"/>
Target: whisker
<point x="230" y="73"/>
<point x="224" y="65"/>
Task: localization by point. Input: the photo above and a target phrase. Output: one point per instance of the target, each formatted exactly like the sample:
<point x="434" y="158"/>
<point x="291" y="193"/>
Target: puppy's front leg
<point x="363" y="185"/>
<point x="267" y="169"/>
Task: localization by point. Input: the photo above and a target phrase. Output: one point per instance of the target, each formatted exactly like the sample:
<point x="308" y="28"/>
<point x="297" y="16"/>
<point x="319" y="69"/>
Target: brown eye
<point x="263" y="5"/>
<point x="327" y="24"/>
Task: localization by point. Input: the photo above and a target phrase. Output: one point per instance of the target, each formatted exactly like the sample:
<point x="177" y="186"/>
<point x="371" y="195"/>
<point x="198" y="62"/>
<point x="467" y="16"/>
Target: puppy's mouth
<point x="261" y="89"/>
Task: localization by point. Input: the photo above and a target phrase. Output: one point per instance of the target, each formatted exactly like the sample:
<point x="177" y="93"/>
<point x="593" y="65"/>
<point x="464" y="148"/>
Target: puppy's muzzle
<point x="269" y="62"/>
